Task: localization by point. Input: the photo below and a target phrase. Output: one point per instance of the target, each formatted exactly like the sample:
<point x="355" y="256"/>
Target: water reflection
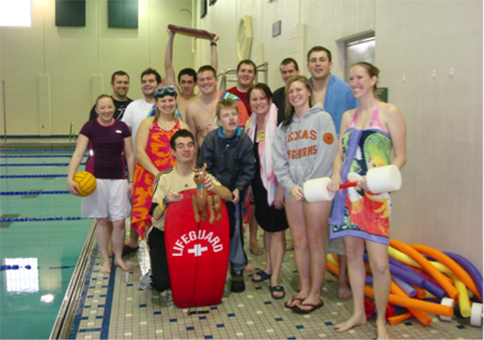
<point x="24" y="278"/>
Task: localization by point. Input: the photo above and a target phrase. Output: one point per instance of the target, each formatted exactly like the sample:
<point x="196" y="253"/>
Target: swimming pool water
<point x="30" y="298"/>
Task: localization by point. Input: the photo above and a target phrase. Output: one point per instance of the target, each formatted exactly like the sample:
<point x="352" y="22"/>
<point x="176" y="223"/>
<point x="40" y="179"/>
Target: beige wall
<point x="440" y="204"/>
<point x="53" y="74"/>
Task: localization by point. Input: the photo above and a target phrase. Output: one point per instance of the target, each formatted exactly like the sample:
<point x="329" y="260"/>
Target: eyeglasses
<point x="169" y="90"/>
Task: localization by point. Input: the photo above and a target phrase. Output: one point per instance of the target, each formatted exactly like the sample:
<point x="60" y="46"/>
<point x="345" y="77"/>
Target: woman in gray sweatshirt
<point x="304" y="148"/>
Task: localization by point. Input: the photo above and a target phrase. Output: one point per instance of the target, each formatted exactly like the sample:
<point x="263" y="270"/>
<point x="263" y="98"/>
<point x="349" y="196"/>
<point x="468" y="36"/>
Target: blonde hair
<point x="226" y="103"/>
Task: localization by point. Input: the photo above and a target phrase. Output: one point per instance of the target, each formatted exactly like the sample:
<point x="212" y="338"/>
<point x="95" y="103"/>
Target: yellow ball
<point x="86" y="183"/>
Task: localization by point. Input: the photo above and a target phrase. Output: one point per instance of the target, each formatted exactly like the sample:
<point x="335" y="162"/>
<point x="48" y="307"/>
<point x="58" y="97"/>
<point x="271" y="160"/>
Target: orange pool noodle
<point x="424" y="306"/>
<point x="394" y="320"/>
<point x="420" y="315"/>
<point x="423" y="317"/>
<point x="449" y="263"/>
<point x="420" y="292"/>
<point x="438" y="276"/>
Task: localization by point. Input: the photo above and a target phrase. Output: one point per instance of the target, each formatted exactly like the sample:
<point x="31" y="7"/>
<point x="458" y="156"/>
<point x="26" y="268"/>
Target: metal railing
<point x="222" y="84"/>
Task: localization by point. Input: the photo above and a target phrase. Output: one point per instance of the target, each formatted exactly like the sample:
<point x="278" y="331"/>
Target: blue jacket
<point x="231" y="161"/>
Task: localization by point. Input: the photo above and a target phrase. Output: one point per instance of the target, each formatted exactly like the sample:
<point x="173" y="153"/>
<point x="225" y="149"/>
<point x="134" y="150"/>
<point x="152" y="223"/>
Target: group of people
<point x="255" y="144"/>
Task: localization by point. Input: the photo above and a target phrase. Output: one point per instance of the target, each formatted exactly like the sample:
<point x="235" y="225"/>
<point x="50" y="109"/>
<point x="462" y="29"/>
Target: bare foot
<point x="249" y="268"/>
<point x="350" y="323"/>
<point x="295" y="300"/>
<point x="290" y="246"/>
<point x="311" y="300"/>
<point x="121" y="264"/>
<point x="106" y="268"/>
<point x="255" y="249"/>
<point x="381" y="329"/>
<point x="344" y="290"/>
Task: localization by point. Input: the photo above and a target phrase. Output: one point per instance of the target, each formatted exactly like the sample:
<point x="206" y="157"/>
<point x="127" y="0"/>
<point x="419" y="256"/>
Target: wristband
<point x="213" y="44"/>
<point x="165" y="202"/>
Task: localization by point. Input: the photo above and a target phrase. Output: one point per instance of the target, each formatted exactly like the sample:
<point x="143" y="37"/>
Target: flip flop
<point x="278" y="289"/>
<point x="263" y="276"/>
<point x="298" y="309"/>
<point x="128" y="250"/>
<point x="286" y="304"/>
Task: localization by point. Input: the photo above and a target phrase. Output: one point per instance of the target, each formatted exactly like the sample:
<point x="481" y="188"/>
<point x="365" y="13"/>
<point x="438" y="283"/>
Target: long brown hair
<point x="372" y="70"/>
<point x="289" y="111"/>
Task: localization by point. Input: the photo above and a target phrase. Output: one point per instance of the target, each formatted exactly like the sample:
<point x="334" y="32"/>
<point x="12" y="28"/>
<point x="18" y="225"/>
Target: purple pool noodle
<point x="434" y="289"/>
<point x="400" y="265"/>
<point x="407" y="276"/>
<point x="409" y="290"/>
<point x="369" y="280"/>
<point x="469" y="268"/>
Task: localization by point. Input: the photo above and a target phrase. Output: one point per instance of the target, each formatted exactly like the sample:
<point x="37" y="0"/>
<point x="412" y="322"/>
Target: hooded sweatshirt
<point x="304" y="149"/>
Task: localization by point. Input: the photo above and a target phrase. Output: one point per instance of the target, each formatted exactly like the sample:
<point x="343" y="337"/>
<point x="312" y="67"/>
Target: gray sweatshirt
<point x="305" y="149"/>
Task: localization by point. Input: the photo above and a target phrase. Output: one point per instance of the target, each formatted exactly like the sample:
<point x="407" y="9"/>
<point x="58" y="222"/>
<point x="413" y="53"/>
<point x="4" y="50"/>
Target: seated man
<point x="166" y="189"/>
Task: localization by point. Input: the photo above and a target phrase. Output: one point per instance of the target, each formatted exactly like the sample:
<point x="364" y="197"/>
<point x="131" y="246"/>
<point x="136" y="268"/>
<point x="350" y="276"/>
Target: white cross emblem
<point x="197" y="250"/>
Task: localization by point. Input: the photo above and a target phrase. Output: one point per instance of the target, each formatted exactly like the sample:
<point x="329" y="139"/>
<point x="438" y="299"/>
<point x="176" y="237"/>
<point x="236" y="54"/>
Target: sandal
<point x="263" y="276"/>
<point x="298" y="309"/>
<point x="278" y="289"/>
<point x="286" y="304"/>
<point x="128" y="250"/>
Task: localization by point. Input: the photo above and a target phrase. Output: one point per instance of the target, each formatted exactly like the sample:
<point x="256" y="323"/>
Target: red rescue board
<point x="191" y="32"/>
<point x="198" y="254"/>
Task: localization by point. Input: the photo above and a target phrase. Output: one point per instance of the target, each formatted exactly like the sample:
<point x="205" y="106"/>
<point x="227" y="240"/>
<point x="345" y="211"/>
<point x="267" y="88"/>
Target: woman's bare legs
<point x="316" y="221"/>
<point x="118" y="244"/>
<point x="267" y="246"/>
<point x="295" y="218"/>
<point x="378" y="256"/>
<point x="277" y="250"/>
<point x="253" y="226"/>
<point x="102" y="234"/>
<point x="356" y="272"/>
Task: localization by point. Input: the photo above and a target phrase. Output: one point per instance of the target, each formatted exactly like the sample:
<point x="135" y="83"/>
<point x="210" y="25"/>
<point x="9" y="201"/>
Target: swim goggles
<point x="169" y="90"/>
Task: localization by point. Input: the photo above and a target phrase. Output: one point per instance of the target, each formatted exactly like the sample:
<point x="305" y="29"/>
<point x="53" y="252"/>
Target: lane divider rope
<point x="38" y="192"/>
<point x="38" y="156"/>
<point x="7" y="149"/>
<point x="37" y="219"/>
<point x="39" y="164"/>
<point x="31" y="176"/>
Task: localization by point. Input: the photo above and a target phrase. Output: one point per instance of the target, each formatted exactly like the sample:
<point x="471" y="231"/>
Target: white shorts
<point x="110" y="199"/>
